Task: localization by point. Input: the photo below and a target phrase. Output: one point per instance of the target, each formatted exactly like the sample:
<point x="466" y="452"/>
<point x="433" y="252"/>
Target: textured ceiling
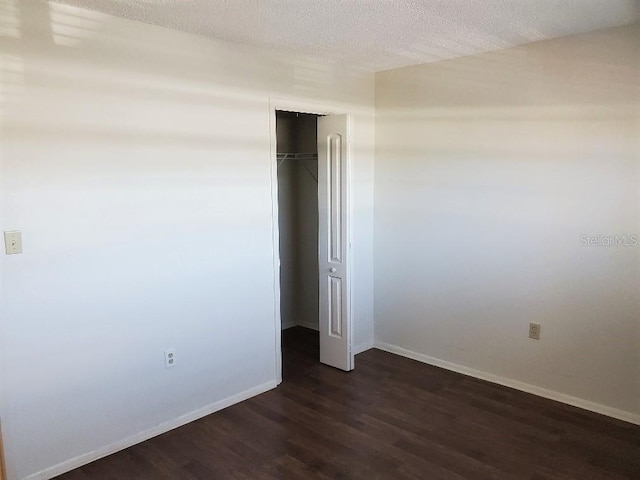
<point x="377" y="34"/>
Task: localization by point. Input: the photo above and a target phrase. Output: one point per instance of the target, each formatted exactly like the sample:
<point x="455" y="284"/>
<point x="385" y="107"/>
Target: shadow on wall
<point x="218" y="77"/>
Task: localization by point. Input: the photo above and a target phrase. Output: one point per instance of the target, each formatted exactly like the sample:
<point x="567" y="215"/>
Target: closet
<point x="297" y="159"/>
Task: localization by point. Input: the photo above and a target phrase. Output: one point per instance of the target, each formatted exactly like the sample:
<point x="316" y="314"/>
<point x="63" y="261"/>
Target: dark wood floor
<point x="391" y="418"/>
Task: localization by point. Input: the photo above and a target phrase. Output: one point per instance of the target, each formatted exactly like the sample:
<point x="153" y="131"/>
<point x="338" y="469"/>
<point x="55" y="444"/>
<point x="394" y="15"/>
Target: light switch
<point x="13" y="242"/>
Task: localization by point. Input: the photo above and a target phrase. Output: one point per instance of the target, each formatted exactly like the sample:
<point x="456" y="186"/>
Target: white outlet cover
<point x="170" y="357"/>
<point x="534" y="331"/>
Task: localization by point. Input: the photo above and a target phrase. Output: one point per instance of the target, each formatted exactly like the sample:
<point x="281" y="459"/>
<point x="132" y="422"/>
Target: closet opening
<point x="297" y="161"/>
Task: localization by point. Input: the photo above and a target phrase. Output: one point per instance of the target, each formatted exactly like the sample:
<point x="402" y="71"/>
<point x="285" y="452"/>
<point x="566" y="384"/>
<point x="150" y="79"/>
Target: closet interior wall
<point x="298" y="218"/>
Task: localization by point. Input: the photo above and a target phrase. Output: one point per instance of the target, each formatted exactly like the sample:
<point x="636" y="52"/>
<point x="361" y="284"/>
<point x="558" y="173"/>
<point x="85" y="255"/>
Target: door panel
<point x="335" y="196"/>
<point x="335" y="326"/>
<point x="335" y="309"/>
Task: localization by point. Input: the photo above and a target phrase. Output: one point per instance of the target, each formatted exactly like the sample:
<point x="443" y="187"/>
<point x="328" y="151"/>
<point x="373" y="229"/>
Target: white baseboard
<point x="507" y="382"/>
<point x="89" y="457"/>
<point x="363" y="347"/>
<point x="287" y="325"/>
<point x="310" y="325"/>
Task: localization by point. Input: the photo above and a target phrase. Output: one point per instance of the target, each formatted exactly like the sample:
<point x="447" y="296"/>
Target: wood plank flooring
<point x="391" y="418"/>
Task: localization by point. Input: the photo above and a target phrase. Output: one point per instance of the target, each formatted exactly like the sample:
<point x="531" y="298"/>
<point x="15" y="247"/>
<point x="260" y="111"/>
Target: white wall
<point x="285" y="134"/>
<point x="298" y="219"/>
<point x="136" y="162"/>
<point x="287" y="243"/>
<point x="488" y="169"/>
<point x="307" y="234"/>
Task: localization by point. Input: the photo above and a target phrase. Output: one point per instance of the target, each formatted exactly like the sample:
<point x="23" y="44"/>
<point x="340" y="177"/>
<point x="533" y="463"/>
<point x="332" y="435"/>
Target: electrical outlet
<point x="170" y="357"/>
<point x="534" y="331"/>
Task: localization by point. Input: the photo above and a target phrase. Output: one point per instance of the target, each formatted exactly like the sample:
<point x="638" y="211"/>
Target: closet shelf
<point x="297" y="156"/>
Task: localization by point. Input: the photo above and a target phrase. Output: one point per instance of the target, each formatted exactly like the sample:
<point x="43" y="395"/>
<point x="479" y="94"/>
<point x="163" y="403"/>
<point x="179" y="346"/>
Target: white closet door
<point x="333" y="248"/>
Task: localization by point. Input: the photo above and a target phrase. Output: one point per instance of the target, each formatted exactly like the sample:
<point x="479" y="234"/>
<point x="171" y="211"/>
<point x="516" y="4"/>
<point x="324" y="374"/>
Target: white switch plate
<point x="13" y="242"/>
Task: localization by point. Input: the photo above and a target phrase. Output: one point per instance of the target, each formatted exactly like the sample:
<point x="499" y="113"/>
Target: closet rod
<point x="297" y="156"/>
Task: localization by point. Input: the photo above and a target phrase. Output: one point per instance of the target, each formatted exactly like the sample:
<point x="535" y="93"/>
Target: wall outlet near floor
<point x="534" y="331"/>
<point x="170" y="357"/>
